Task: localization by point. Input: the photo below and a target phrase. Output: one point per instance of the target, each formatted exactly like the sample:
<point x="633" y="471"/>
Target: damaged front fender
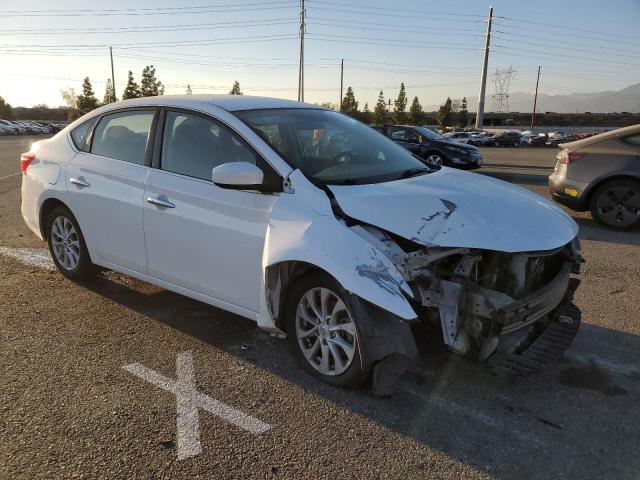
<point x="303" y="228"/>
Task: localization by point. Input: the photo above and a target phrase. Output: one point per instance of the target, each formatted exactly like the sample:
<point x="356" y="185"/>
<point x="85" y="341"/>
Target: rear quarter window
<point x="81" y="132"/>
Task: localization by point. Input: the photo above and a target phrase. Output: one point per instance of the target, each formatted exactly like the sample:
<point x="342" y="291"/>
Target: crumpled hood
<point x="453" y="208"/>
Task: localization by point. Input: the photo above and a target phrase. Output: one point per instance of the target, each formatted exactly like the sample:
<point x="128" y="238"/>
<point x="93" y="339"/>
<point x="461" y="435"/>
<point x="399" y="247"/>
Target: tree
<point x="444" y="115"/>
<point x="87" y="101"/>
<point x="235" y="90"/>
<point x="189" y="91"/>
<point x="131" y="90"/>
<point x="379" y="110"/>
<point x="71" y="99"/>
<point x="150" y="86"/>
<point x="463" y="114"/>
<point x="399" y="115"/>
<point x="109" y="93"/>
<point x="6" y="112"/>
<point x="415" y="112"/>
<point x="349" y="105"/>
<point x="328" y="105"/>
<point x="365" y="116"/>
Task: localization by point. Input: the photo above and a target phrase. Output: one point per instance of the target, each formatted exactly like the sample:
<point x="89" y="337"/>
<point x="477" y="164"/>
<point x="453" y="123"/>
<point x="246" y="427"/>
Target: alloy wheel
<point x="325" y="331"/>
<point x="65" y="242"/>
<point x="434" y="159"/>
<point x="619" y="206"/>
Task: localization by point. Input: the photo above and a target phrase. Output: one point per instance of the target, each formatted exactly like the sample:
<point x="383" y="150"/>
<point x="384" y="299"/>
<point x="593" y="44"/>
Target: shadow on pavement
<point x="552" y="424"/>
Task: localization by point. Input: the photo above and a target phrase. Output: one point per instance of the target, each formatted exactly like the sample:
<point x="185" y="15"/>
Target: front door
<point x="200" y="236"/>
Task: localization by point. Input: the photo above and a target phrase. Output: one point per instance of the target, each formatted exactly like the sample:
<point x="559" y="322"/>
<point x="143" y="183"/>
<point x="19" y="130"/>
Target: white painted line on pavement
<point x="33" y="257"/>
<point x="190" y="400"/>
<point x="9" y="176"/>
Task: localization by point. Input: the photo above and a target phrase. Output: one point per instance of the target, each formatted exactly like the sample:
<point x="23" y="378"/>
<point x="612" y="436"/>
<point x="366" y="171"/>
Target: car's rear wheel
<point x="496" y="144"/>
<point x="323" y="333"/>
<point x="434" y="158"/>
<point x="67" y="245"/>
<point x="616" y="204"/>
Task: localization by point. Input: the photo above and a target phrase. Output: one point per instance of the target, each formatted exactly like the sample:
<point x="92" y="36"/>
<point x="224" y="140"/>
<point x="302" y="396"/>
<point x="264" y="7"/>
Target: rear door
<point x="106" y="184"/>
<point x="405" y="137"/>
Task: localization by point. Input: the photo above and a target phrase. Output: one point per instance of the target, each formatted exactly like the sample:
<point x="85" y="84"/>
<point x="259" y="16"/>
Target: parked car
<point x="481" y="139"/>
<point x="538" y="140"/>
<point x="309" y="223"/>
<point x="507" y="138"/>
<point x="601" y="174"/>
<point x="557" y="139"/>
<point x="460" y="137"/>
<point x="433" y="148"/>
<point x="13" y="127"/>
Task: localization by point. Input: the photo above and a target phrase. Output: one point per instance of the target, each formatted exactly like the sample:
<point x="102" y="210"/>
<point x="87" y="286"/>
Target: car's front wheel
<point x="323" y="332"/>
<point x="616" y="204"/>
<point x="67" y="245"/>
<point x="434" y="158"/>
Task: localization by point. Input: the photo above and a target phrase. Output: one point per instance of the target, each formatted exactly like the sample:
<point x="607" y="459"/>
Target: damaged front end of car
<point x="518" y="304"/>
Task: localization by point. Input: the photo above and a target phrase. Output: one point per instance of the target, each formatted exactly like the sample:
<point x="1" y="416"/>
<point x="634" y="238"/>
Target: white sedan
<point x="308" y="222"/>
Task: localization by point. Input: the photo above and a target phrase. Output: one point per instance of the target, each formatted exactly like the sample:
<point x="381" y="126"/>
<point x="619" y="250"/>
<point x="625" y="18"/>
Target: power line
<point x="565" y="28"/>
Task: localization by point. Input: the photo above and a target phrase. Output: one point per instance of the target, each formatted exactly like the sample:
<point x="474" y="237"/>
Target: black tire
<point x="434" y="156"/>
<point x="614" y="204"/>
<point x="496" y="144"/>
<point x="84" y="269"/>
<point x="356" y="375"/>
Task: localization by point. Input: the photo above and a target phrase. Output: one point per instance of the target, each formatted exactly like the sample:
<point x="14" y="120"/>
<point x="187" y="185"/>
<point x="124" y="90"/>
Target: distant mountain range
<point x="625" y="100"/>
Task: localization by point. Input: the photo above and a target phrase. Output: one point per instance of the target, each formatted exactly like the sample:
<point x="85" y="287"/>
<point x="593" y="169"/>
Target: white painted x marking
<point x="190" y="400"/>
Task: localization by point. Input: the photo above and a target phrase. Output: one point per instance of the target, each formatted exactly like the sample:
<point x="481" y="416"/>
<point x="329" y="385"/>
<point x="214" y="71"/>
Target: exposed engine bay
<point x="478" y="296"/>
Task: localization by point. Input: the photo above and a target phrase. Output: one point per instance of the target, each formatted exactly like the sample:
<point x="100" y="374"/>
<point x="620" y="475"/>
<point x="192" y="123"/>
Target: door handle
<point x="80" y="182"/>
<point x="160" y="202"/>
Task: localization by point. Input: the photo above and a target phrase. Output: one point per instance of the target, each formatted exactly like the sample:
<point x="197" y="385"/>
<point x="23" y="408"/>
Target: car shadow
<point x="592" y="230"/>
<point x="503" y="426"/>
<point x="519" y="178"/>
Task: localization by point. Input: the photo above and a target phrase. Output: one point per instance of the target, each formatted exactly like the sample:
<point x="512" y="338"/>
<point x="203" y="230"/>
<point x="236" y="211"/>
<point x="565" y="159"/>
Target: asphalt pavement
<point x="94" y="376"/>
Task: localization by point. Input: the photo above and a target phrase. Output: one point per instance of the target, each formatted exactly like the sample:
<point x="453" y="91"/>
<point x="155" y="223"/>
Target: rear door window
<point x="123" y="136"/>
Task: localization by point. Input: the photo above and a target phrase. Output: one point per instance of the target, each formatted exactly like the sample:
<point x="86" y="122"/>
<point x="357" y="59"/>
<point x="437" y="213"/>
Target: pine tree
<point x="150" y="86"/>
<point x="189" y="92"/>
<point x="365" y="116"/>
<point x="131" y="90"/>
<point x="6" y="112"/>
<point x="379" y="110"/>
<point x="109" y="93"/>
<point x="349" y="105"/>
<point x="87" y="101"/>
<point x="444" y="115"/>
<point x="235" y="90"/>
<point x="463" y="114"/>
<point x="399" y="115"/>
<point x="415" y="112"/>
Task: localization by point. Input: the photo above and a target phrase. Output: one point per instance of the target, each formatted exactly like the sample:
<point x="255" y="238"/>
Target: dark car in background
<point x="601" y="174"/>
<point x="432" y="147"/>
<point x="507" y="138"/>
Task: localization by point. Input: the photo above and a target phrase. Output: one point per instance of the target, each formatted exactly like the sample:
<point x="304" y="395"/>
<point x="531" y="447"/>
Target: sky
<point x="434" y="47"/>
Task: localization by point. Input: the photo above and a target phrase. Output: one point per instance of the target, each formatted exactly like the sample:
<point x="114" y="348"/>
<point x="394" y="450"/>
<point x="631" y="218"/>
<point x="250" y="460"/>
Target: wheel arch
<point x="594" y="186"/>
<point x="45" y="209"/>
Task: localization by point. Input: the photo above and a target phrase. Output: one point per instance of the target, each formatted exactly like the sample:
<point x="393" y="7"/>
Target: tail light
<point x="565" y="156"/>
<point x="25" y="161"/>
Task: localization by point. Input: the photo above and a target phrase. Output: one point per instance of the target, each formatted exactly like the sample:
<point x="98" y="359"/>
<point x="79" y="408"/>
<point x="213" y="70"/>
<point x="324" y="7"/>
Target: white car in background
<point x="460" y="137"/>
<point x="309" y="223"/>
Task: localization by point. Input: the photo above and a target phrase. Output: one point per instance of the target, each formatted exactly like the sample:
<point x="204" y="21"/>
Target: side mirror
<point x="237" y="176"/>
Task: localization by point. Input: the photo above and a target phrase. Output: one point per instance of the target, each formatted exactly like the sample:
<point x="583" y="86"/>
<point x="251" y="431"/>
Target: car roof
<point x="231" y="103"/>
<point x="620" y="132"/>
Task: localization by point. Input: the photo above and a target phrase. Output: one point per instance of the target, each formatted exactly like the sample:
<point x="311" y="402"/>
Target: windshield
<point x="331" y="148"/>
<point x="430" y="134"/>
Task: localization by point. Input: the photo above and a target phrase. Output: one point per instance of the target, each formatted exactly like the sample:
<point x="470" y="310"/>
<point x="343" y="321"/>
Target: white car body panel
<point x="110" y="209"/>
<point x="303" y="227"/>
<point x="211" y="242"/>
<point x="452" y="208"/>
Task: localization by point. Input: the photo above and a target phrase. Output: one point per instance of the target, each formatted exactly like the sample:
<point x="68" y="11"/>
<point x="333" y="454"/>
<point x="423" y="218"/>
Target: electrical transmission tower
<point x="502" y="81"/>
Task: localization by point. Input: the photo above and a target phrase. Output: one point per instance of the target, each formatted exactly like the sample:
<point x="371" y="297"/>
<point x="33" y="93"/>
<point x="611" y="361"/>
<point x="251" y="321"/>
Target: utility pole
<point x="483" y="79"/>
<point x="113" y="78"/>
<point x="301" y="71"/>
<point x="535" y="101"/>
<point x="341" y="84"/>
